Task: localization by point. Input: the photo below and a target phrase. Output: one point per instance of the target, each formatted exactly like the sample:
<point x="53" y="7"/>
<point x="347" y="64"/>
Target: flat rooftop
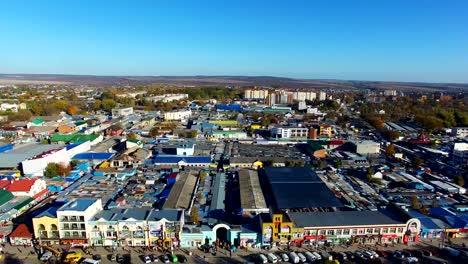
<point x="299" y="187"/>
<point x="342" y="218"/>
<point x="251" y="194"/>
<point x="11" y="159"/>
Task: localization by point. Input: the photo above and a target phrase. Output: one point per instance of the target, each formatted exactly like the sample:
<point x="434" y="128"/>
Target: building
<point x="390" y="93"/>
<point x="34" y="188"/>
<point x="460" y="153"/>
<point x="36" y="165"/>
<point x="251" y="194"/>
<point x="322" y="96"/>
<point x="124" y="111"/>
<point x="177" y="115"/>
<point x="325" y="131"/>
<point x="182" y="161"/>
<point x="289" y="132"/>
<point x="136" y="227"/>
<point x="461" y="132"/>
<point x="21" y="236"/>
<point x="73" y="218"/>
<point x="45" y="224"/>
<point x="348" y="227"/>
<point x="256" y="94"/>
<point x="186" y="148"/>
<point x="167" y="97"/>
<point x="366" y="147"/>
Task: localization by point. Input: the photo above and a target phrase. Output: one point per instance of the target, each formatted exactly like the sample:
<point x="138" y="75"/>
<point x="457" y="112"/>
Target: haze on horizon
<point x="399" y="40"/>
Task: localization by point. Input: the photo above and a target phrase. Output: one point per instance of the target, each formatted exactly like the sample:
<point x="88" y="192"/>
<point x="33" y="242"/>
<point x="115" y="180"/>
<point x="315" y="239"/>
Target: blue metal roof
<point x="93" y="156"/>
<point x="177" y="159"/>
<point x="229" y="107"/>
<point x="426" y="221"/>
<point x="79" y="204"/>
<point x="51" y="211"/>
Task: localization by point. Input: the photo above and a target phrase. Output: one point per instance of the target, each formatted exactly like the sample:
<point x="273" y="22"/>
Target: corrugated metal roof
<point x="176" y="159"/>
<point x="93" y="156"/>
<point x="342" y="218"/>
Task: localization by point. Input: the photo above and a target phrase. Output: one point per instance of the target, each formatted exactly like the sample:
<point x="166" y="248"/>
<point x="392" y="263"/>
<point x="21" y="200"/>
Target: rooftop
<point x="79" y="204"/>
<point x="342" y="218"/>
<point x="20" y="153"/>
<point x="299" y="187"/>
<point x="251" y="194"/>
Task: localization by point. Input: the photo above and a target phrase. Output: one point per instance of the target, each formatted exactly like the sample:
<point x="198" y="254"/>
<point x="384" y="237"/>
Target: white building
<point x="35" y="165"/>
<point x="12" y="107"/>
<point x="27" y="187"/>
<point x="168" y="97"/>
<point x="367" y="147"/>
<point x="322" y="96"/>
<point x="390" y="92"/>
<point x="124" y="111"/>
<point x="183" y="114"/>
<point x="460" y="132"/>
<point x="289" y="132"/>
<point x="185" y="149"/>
<point x="73" y="217"/>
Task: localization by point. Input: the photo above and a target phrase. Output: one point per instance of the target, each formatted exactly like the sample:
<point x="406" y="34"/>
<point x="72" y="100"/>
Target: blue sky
<point x="366" y="40"/>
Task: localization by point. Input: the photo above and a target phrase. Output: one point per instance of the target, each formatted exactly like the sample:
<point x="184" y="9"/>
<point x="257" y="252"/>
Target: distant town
<point x="150" y="173"/>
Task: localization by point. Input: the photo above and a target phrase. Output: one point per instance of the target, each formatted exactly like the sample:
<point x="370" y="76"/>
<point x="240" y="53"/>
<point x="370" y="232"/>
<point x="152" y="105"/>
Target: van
<point x="317" y="255"/>
<point x="293" y="257"/>
<point x="272" y="258"/>
<point x="309" y="256"/>
<point x="262" y="258"/>
<point x="302" y="258"/>
<point x="90" y="261"/>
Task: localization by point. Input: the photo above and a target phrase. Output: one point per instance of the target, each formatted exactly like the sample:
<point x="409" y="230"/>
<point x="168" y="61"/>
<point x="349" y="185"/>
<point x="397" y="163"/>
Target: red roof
<point x="40" y="194"/>
<point x="21" y="231"/>
<point x="21" y="185"/>
<point x="4" y="184"/>
<point x="172" y="175"/>
<point x="336" y="142"/>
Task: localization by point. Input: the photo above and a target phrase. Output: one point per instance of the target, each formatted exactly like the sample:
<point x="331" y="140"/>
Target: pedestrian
<point x="230" y="253"/>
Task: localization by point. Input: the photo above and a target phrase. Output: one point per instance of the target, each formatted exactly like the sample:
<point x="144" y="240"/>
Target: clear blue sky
<point x="405" y="40"/>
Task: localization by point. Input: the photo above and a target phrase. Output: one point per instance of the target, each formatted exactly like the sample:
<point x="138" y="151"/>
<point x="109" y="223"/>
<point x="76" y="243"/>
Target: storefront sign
<point x="389" y="236"/>
<point x="70" y="241"/>
<point x="320" y="237"/>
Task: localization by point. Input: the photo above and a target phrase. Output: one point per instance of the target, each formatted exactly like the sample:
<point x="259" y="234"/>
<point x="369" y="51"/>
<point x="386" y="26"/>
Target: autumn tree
<point x="72" y="110"/>
<point x="390" y="150"/>
<point x="108" y="104"/>
<point x="154" y="132"/>
<point x="132" y="135"/>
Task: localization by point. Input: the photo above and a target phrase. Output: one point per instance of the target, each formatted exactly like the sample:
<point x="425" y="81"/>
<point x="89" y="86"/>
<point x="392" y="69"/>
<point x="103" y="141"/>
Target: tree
<point x="390" y="150"/>
<point x="370" y="173"/>
<point x="72" y="110"/>
<point x="132" y="135"/>
<point x="290" y="163"/>
<point x="415" y="203"/>
<point x="194" y="214"/>
<point x="417" y="161"/>
<point x="63" y="169"/>
<point x="459" y="180"/>
<point x="338" y="163"/>
<point x="51" y="170"/>
<point x="108" y="104"/>
<point x="154" y="132"/>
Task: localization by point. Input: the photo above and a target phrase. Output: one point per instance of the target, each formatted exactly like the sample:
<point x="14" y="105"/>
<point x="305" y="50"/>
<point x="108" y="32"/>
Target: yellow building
<point x="46" y="225"/>
<point x="326" y="131"/>
<point x="277" y="228"/>
<point x="224" y="122"/>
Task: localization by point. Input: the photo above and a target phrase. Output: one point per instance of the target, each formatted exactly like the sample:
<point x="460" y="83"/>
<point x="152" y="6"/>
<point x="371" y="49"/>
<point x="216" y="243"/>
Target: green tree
<point x="290" y="163"/>
<point x="51" y="170"/>
<point x="108" y="104"/>
<point x="459" y="180"/>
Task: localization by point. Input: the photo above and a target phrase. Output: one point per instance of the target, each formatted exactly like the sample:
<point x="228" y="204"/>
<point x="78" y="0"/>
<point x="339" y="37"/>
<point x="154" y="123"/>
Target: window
<point x="400" y="230"/>
<point x="392" y="230"/>
<point x="330" y="232"/>
<point x="346" y="232"/>
<point x="376" y="230"/>
<point x="354" y="231"/>
<point x="360" y="231"/>
<point x="339" y="232"/>
<point x="322" y="232"/>
<point x="385" y="230"/>
<point x="369" y="231"/>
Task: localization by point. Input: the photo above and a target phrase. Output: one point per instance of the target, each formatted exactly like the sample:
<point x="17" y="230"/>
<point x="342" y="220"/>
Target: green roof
<point x="136" y="141"/>
<point x="316" y="144"/>
<point x="23" y="204"/>
<point x="5" y="196"/>
<point x="38" y="121"/>
<point x="73" y="138"/>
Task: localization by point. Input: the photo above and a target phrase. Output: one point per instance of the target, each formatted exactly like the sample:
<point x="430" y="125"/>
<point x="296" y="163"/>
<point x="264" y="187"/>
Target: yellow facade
<point x="224" y="122"/>
<point x="280" y="231"/>
<point x="46" y="228"/>
<point x="257" y="165"/>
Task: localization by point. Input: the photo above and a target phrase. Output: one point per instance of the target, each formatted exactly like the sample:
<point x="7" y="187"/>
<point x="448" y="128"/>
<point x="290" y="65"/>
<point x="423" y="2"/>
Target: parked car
<point x="272" y="258"/>
<point x="146" y="259"/>
<point x="284" y="257"/>
<point x="317" y="255"/>
<point x="350" y="255"/>
<point x="154" y="258"/>
<point x="120" y="259"/>
<point x="294" y="257"/>
<point x="97" y="257"/>
<point x="399" y="255"/>
<point x="165" y="258"/>
<point x="301" y="256"/>
<point x="262" y="258"/>
<point x="181" y="258"/>
<point x="382" y="253"/>
<point x="46" y="256"/>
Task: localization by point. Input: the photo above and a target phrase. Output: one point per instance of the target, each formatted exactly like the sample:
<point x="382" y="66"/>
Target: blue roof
<point x="51" y="211"/>
<point x="79" y="204"/>
<point x="229" y="107"/>
<point x="453" y="219"/>
<point x="93" y="156"/>
<point x="426" y="221"/>
<point x="70" y="146"/>
<point x="176" y="159"/>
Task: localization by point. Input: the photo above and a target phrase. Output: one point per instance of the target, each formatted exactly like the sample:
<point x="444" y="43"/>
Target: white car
<point x="46" y="256"/>
<point x="147" y="259"/>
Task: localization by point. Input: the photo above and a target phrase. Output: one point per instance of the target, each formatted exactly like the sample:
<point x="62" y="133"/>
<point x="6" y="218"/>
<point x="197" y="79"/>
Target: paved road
<point x="26" y="255"/>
